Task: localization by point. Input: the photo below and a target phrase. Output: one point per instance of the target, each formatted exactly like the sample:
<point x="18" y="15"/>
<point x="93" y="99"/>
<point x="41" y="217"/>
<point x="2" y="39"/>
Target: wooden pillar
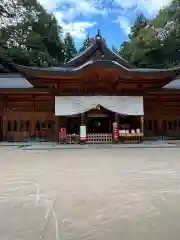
<point x="4" y="120"/>
<point x="110" y="121"/>
<point x="4" y="127"/>
<point x="83" y="129"/>
<point x="33" y="126"/>
<point x="33" y="120"/>
<point x="56" y="129"/>
<point x="160" y="127"/>
<point x="142" y="126"/>
<point x="116" y="117"/>
<point x="82" y="119"/>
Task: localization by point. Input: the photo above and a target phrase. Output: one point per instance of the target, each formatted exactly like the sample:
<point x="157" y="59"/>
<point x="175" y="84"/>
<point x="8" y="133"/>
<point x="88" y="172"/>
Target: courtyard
<point x="90" y="194"/>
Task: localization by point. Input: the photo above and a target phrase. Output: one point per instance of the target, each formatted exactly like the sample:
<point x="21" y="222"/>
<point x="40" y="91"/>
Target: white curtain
<point x="71" y="105"/>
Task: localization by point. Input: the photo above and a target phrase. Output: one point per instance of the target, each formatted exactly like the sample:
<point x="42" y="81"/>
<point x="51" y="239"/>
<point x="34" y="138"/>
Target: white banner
<point x="82" y="132"/>
<point x="71" y="105"/>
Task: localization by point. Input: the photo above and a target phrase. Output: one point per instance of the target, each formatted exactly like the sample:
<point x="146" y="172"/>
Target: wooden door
<point x="171" y="128"/>
<point x="18" y="130"/>
<point x="149" y="128"/>
<point x="27" y="126"/>
<point x="44" y="129"/>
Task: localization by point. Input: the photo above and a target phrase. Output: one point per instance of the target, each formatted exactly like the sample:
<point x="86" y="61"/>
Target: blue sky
<point x="112" y="17"/>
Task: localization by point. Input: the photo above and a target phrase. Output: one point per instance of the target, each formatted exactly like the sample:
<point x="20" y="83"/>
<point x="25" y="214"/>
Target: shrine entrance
<point x="88" y="122"/>
<point x="99" y="120"/>
<point x="99" y="125"/>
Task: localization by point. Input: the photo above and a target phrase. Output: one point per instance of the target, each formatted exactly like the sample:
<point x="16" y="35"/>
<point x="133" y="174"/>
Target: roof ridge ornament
<point x="98" y="35"/>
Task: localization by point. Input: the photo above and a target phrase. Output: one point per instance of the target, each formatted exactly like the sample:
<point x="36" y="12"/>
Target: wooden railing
<point x="72" y="139"/>
<point x="91" y="138"/>
<point x="94" y="138"/>
<point x="99" y="138"/>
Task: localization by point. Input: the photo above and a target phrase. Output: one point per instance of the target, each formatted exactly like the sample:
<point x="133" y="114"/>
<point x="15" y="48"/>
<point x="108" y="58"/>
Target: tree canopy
<point x="86" y="43"/>
<point x="29" y="34"/>
<point x="155" y="43"/>
<point x="69" y="47"/>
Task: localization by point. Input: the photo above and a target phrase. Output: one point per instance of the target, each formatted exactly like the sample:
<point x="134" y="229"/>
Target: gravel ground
<point x="91" y="194"/>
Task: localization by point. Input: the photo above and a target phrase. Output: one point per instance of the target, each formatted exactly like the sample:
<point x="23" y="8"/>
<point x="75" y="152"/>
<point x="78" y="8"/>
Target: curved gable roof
<point x="67" y="71"/>
<point x="98" y="45"/>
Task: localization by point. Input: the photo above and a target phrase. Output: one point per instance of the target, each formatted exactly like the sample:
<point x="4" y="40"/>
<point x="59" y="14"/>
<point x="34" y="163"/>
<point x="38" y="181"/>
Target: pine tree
<point x="87" y="42"/>
<point x="139" y="24"/>
<point x="70" y="47"/>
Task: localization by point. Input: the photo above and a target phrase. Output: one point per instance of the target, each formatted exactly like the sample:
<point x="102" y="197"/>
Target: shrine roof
<point x="98" y="46"/>
<point x="81" y="64"/>
<point x="99" y="64"/>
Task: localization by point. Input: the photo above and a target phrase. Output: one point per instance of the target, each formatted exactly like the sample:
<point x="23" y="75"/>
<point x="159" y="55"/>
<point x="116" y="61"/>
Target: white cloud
<point x="151" y="6"/>
<point x="78" y="29"/>
<point x="67" y="11"/>
<point x="124" y="24"/>
<point x="48" y="4"/>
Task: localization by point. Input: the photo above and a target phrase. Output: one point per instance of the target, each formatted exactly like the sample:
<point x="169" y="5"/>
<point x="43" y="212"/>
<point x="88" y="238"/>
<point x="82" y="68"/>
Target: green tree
<point x="139" y="24"/>
<point x="126" y="50"/>
<point x="144" y="47"/>
<point x="70" y="47"/>
<point x="155" y="43"/>
<point x="87" y="43"/>
<point x="31" y="36"/>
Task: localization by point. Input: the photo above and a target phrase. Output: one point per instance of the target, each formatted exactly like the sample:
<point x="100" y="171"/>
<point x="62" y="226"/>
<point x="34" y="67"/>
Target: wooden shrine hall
<point x="95" y="97"/>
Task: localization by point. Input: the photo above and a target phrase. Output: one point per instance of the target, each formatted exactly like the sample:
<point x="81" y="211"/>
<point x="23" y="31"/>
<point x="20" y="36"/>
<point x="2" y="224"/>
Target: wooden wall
<point x="25" y="115"/>
<point x="29" y="103"/>
<point x="162" y="115"/>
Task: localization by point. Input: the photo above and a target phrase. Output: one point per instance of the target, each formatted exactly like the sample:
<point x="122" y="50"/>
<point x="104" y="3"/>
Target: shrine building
<point x="96" y="97"/>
